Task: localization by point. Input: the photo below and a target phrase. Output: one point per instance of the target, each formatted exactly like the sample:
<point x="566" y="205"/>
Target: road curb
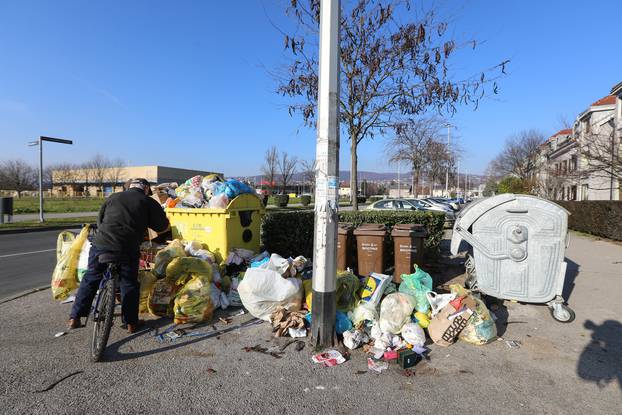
<point x="24" y="294"/>
<point x="40" y="229"/>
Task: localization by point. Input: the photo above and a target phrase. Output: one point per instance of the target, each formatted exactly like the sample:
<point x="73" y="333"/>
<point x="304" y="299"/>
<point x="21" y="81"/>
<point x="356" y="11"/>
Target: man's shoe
<point x="133" y="328"/>
<point x="74" y="323"/>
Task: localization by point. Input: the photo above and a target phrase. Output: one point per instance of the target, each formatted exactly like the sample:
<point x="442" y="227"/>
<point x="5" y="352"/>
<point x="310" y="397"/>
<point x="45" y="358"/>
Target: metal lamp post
<point x="40" y="144"/>
<point x="326" y="179"/>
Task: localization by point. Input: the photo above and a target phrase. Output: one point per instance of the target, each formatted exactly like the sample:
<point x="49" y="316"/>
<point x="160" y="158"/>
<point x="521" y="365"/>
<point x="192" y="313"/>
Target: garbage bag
<point x="64" y="277"/>
<point x="346" y="291"/>
<point x="164" y="256"/>
<point x="413" y="333"/>
<point x="231" y="188"/>
<point x="63" y="243"/>
<point x="363" y="311"/>
<point x="161" y="297"/>
<point x="342" y="322"/>
<point x="373" y="289"/>
<point x="395" y="311"/>
<point x="196" y="249"/>
<point x="179" y="268"/>
<point x="263" y="290"/>
<point x="417" y="285"/>
<point x="218" y="202"/>
<point x="480" y="328"/>
<point x="146" y="280"/>
<point x="83" y="259"/>
<point x="193" y="303"/>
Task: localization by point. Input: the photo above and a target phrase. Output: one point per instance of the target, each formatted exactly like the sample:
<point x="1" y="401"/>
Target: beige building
<point x="95" y="182"/>
<point x="576" y="163"/>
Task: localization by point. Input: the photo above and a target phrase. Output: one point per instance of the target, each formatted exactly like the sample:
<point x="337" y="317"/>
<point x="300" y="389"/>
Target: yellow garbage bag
<point x="480" y="328"/>
<point x="193" y="303"/>
<point x="146" y="280"/>
<point x="178" y="269"/>
<point x="346" y="294"/>
<point x="65" y="275"/>
<point x="166" y="255"/>
<point x="63" y="243"/>
<point x="161" y="298"/>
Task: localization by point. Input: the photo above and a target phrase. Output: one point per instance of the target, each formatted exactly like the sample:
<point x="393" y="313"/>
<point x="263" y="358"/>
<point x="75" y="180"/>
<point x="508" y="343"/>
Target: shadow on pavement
<point x="113" y="353"/>
<point x="601" y="360"/>
<point x="572" y="270"/>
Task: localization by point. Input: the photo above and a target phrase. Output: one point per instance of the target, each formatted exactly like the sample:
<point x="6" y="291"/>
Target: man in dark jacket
<point x="123" y="219"/>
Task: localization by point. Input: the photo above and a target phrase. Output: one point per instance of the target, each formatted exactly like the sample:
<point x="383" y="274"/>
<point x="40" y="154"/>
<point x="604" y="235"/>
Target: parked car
<point x="393" y="204"/>
<point x="425" y="204"/>
<point x="442" y="202"/>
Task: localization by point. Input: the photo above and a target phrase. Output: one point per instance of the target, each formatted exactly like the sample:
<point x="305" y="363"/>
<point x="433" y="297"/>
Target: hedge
<point x="596" y="217"/>
<point x="291" y="233"/>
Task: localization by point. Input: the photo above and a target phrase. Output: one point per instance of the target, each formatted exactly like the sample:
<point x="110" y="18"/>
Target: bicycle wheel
<point x="103" y="321"/>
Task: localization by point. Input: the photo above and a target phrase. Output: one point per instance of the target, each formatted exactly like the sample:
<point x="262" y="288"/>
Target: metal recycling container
<point x="370" y="248"/>
<point x="236" y="226"/>
<point x="345" y="246"/>
<point x="518" y="249"/>
<point x="408" y="248"/>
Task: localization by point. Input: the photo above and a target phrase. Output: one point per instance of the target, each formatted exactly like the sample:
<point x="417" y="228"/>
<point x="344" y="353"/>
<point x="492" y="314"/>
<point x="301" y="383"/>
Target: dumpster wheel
<point x="561" y="312"/>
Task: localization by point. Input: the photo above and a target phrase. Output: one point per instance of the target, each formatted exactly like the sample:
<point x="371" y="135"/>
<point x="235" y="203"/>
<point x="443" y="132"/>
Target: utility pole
<point x="323" y="305"/>
<point x="399" y="183"/>
<point x="40" y="144"/>
<point x="458" y="184"/>
<point x="448" y="164"/>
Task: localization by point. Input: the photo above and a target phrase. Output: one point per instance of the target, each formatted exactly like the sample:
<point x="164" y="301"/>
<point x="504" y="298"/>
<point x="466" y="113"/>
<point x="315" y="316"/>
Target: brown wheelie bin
<point x="345" y="247"/>
<point x="370" y="248"/>
<point x="408" y="248"/>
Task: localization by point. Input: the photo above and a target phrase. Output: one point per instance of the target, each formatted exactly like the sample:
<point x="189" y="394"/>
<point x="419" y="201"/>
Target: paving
<point x="35" y="216"/>
<point x="573" y="368"/>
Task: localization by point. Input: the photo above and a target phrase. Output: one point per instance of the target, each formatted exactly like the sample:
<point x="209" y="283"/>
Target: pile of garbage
<point x="211" y="191"/>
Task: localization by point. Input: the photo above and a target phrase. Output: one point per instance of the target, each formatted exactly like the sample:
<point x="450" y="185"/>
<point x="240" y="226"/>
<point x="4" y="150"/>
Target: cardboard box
<point x="445" y="327"/>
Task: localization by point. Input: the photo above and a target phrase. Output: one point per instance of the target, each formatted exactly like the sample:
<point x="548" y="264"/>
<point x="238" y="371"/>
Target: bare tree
<point x="115" y="171"/>
<point x="65" y="174"/>
<point x="97" y="170"/>
<point x="518" y="155"/>
<point x="287" y="168"/>
<point x="17" y="175"/>
<point x="601" y="154"/>
<point x="411" y="144"/>
<point x="308" y="173"/>
<point x="393" y="61"/>
<point x="270" y="166"/>
<point x="439" y="159"/>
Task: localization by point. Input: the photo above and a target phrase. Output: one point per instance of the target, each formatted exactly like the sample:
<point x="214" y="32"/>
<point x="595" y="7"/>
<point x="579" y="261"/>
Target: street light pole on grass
<point x="40" y="144"/>
<point x="326" y="179"/>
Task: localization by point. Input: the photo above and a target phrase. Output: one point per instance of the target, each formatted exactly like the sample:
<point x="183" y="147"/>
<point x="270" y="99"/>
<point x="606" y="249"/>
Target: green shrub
<point x="282" y="200"/>
<point x="305" y="200"/>
<point x="596" y="217"/>
<point x="291" y="233"/>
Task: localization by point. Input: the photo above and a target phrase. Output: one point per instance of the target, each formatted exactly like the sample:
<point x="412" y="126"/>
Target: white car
<point x="450" y="215"/>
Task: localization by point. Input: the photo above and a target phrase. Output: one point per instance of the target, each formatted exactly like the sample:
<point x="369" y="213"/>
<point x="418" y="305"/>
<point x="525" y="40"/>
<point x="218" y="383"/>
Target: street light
<point x="40" y="144"/>
<point x="449" y="126"/>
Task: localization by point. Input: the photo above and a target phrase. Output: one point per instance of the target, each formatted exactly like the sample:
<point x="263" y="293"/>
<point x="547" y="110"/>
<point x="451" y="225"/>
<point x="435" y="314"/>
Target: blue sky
<point x="186" y="83"/>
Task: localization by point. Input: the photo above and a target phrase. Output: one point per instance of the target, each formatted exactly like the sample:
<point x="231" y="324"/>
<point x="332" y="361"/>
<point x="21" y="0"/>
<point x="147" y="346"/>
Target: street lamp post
<point x="323" y="306"/>
<point x="40" y="144"/>
<point x="448" y="164"/>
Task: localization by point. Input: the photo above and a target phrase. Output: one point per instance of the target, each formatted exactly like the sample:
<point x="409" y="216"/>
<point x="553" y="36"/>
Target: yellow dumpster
<point x="236" y="226"/>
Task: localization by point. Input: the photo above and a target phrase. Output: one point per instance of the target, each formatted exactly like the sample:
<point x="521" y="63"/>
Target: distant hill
<point x="344" y="176"/>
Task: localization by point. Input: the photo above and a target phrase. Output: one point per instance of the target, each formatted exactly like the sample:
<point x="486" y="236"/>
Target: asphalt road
<point x="26" y="261"/>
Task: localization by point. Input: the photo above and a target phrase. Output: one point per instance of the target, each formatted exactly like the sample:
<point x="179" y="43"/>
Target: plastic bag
<point x="83" y="259"/>
<point x="353" y="339"/>
<point x="346" y="291"/>
<point x="374" y="287"/>
<point x="413" y="334"/>
<point x="234" y="297"/>
<point x="263" y="290"/>
<point x="363" y="312"/>
<point x="480" y="328"/>
<point x="195" y="249"/>
<point x="438" y="301"/>
<point x="231" y="188"/>
<point x="417" y="285"/>
<point x="342" y="322"/>
<point x="395" y="311"/>
<point x="161" y="298"/>
<point x="164" y="256"/>
<point x="63" y="243"/>
<point x="218" y="202"/>
<point x="193" y="303"/>
<point x="178" y="269"/>
<point x="146" y="280"/>
<point x="64" y="277"/>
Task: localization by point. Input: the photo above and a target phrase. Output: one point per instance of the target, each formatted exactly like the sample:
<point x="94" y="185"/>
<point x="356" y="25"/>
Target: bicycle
<point x="103" y="310"/>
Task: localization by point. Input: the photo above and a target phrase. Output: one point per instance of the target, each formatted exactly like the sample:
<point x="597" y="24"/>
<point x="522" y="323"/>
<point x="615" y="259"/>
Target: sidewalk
<point x="559" y="368"/>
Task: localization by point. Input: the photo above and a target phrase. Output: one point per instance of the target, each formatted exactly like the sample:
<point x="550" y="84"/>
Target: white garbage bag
<point x="413" y="333"/>
<point x="263" y="290"/>
<point x="395" y="311"/>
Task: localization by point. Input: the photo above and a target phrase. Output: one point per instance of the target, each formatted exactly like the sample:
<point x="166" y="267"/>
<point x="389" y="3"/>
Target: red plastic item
<point x="390" y="355"/>
<point x="457" y="303"/>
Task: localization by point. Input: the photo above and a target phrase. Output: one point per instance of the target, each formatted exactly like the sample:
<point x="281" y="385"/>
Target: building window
<point x="584" y="192"/>
<point x="563" y="196"/>
<point x="573" y="193"/>
<point x="565" y="166"/>
<point x="573" y="163"/>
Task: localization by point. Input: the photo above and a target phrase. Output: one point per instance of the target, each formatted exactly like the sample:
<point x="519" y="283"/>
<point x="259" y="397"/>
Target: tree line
<point x="19" y="176"/>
